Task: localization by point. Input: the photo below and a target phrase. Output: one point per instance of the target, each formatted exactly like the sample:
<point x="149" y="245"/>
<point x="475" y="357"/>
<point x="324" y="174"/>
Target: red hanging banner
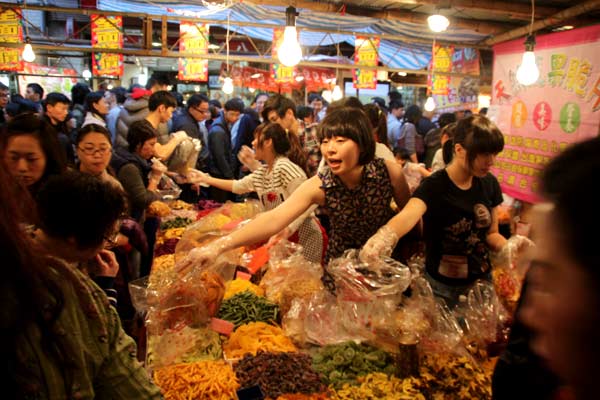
<point x="107" y="33"/>
<point x="366" y="54"/>
<point x="11" y="31"/>
<point x="193" y="39"/>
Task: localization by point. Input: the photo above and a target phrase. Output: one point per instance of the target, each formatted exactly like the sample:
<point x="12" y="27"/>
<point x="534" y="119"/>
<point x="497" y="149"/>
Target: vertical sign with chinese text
<point x="11" y="31"/>
<point x="107" y="33"/>
<point x="540" y="120"/>
<point x="193" y="38"/>
<point x="440" y="62"/>
<point x="366" y="54"/>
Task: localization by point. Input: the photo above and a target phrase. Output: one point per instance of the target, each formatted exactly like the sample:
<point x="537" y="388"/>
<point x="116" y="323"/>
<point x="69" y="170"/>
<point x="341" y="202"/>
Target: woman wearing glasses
<point x="94" y="151"/>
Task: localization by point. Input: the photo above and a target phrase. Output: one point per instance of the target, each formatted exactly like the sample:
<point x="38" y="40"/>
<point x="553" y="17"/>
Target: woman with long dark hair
<point x="96" y="109"/>
<point x="31" y="151"/>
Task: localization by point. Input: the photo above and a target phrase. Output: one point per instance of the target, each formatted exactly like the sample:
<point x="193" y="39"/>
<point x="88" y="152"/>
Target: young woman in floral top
<point x="354" y="187"/>
<point x="274" y="182"/>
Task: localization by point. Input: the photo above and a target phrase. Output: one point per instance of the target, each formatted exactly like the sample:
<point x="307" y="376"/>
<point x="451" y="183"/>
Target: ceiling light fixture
<point x="28" y="53"/>
<point x="289" y="52"/>
<point x="438" y="23"/>
<point x="429" y="104"/>
<point x="528" y="72"/>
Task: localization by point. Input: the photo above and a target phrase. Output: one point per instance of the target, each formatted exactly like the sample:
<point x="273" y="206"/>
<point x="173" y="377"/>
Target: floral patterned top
<point x="356" y="214"/>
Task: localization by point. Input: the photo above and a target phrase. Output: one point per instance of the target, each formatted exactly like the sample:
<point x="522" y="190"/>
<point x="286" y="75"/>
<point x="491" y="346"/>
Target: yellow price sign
<point x="9" y="56"/>
<point x="9" y="16"/>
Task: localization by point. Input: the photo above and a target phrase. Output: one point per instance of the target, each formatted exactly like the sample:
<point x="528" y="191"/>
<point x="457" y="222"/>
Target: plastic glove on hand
<point x="381" y="244"/>
<point x="180" y="136"/>
<point x="198" y="258"/>
<point x="203" y="257"/>
<point x="158" y="167"/>
<point x="196" y="177"/>
<point x="246" y="157"/>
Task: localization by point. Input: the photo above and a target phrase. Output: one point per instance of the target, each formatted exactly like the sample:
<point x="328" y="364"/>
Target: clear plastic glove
<point x="197" y="144"/>
<point x="246" y="157"/>
<point x="179" y="136"/>
<point x="381" y="244"/>
<point x="107" y="264"/>
<point x="202" y="257"/>
<point x="158" y="168"/>
<point x="196" y="177"/>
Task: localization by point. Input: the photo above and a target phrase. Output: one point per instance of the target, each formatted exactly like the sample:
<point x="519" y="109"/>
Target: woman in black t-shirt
<point x="458" y="207"/>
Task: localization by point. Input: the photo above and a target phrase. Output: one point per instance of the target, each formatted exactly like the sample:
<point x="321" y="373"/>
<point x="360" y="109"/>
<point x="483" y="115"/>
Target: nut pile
<point x="279" y="373"/>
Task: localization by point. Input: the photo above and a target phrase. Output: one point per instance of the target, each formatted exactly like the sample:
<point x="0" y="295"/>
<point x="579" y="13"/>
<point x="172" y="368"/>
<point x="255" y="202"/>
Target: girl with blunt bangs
<point x="458" y="207"/>
<point x="274" y="182"/>
<point x="353" y="187"/>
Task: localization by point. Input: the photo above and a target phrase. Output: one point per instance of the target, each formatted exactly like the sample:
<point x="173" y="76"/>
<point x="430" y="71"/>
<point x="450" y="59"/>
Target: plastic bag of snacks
<point x="324" y="319"/>
<point x="185" y="156"/>
<point x="290" y="276"/>
<point x="484" y="319"/>
<point x="179" y="310"/>
<point x="216" y="224"/>
<point x="358" y="281"/>
<point x="510" y="266"/>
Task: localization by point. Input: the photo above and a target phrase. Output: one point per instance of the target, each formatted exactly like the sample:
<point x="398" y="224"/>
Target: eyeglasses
<point x="3" y="95"/>
<point x="91" y="150"/>
<point x="111" y="239"/>
<point x="202" y="111"/>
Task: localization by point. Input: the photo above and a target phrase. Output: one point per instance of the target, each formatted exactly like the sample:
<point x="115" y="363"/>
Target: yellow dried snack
<point x="158" y="209"/>
<point x="380" y="386"/>
<point x="255" y="336"/>
<point x="214" y="380"/>
<point x="173" y="233"/>
<point x="240" y="285"/>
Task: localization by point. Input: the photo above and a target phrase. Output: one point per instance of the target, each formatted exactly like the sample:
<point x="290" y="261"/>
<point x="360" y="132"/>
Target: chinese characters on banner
<point x="540" y="120"/>
<point x="107" y="33"/>
<point x="11" y="31"/>
<point x="440" y="62"/>
<point x="193" y="38"/>
<point x="453" y="93"/>
<point x="280" y="72"/>
<point x="366" y="54"/>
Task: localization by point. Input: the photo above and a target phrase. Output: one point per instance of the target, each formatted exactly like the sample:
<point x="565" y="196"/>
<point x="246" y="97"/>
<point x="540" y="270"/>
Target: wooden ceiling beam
<point x="483" y="27"/>
<point x="519" y="11"/>
<point x="579" y="9"/>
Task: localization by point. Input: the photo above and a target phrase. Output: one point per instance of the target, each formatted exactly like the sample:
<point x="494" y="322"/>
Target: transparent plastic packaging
<point x="359" y="281"/>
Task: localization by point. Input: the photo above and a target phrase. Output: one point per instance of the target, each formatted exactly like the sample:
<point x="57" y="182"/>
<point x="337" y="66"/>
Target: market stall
<point x="260" y="324"/>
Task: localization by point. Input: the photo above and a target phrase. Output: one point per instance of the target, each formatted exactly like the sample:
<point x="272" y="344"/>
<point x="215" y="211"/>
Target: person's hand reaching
<point x="381" y="244"/>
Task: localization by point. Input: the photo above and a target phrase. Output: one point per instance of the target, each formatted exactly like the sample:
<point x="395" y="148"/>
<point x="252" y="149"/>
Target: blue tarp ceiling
<point x="393" y="54"/>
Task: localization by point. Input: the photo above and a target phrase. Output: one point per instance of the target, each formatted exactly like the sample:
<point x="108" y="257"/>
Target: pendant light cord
<point x="532" y="16"/>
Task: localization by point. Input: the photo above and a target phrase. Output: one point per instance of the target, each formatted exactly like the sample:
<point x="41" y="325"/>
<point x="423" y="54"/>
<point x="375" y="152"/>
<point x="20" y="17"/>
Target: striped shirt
<point x="273" y="188"/>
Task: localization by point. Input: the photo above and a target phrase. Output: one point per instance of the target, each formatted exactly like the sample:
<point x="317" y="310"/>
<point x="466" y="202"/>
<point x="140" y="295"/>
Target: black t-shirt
<point x="456" y="224"/>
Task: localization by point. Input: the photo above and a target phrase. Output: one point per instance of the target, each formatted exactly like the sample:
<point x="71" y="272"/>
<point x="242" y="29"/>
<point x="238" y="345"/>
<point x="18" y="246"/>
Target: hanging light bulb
<point x="289" y="51"/>
<point x="28" y="54"/>
<point x="429" y="104"/>
<point x="86" y="73"/>
<point x="438" y="23"/>
<point x="528" y="72"/>
<point x="336" y="94"/>
<point x="227" y="85"/>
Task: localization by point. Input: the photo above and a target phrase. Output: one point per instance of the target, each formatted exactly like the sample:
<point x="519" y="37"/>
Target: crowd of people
<point x="79" y="173"/>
